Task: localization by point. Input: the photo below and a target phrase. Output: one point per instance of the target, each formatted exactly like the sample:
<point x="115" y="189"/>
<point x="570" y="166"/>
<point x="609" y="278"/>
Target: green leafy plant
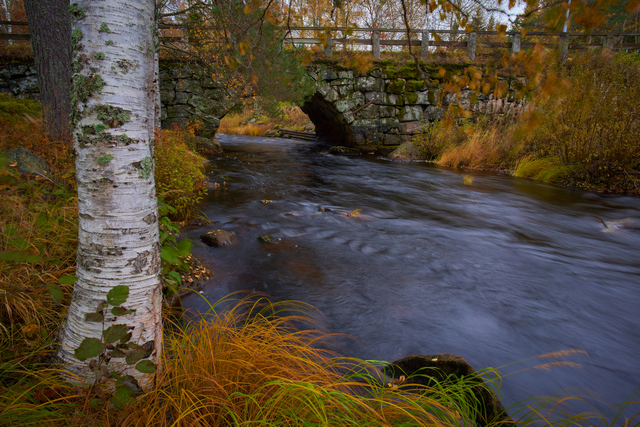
<point x="114" y="342"/>
<point x="173" y="253"/>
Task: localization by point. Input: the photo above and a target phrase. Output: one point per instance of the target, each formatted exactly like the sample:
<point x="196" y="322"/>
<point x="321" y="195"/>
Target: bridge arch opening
<point x="330" y="124"/>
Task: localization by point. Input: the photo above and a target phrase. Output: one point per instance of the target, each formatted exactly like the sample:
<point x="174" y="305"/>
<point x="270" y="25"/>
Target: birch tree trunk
<point x="113" y="113"/>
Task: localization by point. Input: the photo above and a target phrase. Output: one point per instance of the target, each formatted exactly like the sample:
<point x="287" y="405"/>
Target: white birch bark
<point x="118" y="220"/>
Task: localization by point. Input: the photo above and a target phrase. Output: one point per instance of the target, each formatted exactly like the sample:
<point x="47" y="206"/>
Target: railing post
<point x="327" y="47"/>
<point x="564" y="47"/>
<point x="471" y="46"/>
<point x="515" y="43"/>
<point x="607" y="42"/>
<point x="424" y="46"/>
<point x="375" y="41"/>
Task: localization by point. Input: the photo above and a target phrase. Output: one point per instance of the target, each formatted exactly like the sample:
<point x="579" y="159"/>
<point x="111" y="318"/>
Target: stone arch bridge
<point x="367" y="111"/>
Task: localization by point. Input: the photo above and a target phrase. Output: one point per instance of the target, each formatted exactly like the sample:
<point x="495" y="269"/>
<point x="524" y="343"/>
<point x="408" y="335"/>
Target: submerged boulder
<point x="344" y="151"/>
<point x="450" y="369"/>
<point x="269" y="239"/>
<point x="219" y="238"/>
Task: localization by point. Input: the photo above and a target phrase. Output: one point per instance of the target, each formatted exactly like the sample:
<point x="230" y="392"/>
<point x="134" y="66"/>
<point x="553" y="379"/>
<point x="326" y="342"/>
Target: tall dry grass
<point x="253" y="362"/>
<point x="290" y="117"/>
<point x="38" y="232"/>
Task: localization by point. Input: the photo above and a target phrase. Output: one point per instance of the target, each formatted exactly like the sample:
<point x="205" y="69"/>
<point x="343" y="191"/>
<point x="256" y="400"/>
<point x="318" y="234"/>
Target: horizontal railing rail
<point x="429" y="38"/>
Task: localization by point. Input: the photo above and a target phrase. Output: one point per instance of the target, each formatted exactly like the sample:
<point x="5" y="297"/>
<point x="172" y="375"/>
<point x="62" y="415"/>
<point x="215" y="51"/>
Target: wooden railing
<point x="429" y="39"/>
<point x="469" y="40"/>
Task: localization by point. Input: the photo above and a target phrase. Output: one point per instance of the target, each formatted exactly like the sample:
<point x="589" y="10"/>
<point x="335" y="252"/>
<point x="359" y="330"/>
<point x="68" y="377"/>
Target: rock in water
<point x="406" y="151"/>
<point x="219" y="238"/>
<point x="269" y="239"/>
<point x="449" y="368"/>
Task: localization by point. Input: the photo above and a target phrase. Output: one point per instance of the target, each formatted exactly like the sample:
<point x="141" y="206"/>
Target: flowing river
<point x="490" y="267"/>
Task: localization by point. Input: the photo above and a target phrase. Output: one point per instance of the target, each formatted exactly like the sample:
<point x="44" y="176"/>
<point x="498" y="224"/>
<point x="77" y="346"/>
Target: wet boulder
<point x="406" y="151"/>
<point x="450" y="369"/>
<point x="219" y="238"/>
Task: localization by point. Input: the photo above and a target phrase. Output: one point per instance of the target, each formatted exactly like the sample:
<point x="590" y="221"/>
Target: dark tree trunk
<point x="50" y="29"/>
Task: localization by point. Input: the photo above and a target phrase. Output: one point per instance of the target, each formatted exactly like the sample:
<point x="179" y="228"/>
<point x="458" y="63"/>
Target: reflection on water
<point x="498" y="270"/>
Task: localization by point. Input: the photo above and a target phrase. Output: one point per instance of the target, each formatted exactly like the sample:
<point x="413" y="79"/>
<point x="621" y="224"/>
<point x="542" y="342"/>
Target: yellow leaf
<point x="30" y="331"/>
<point x="246" y="9"/>
<point x="442" y="72"/>
<point x="467" y="179"/>
<point x="243" y="48"/>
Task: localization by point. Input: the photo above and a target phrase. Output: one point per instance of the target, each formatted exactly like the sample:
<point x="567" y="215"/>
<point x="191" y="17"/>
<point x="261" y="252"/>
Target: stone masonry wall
<point x="385" y="107"/>
<point x="186" y="92"/>
<point x="19" y="80"/>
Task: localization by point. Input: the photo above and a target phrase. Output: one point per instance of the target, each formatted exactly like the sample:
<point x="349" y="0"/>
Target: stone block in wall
<point x="412" y="128"/>
<point x="389" y="124"/>
<point x="427" y="97"/>
<point x="163" y="114"/>
<point x="370" y="96"/>
<point x="368" y="84"/>
<point x="345" y="75"/>
<point x="410" y="113"/>
<point x="345" y="90"/>
<point x="206" y="106"/>
<point x="433" y="113"/>
<point x="369" y="112"/>
<point x="328" y="75"/>
<point x="188" y="85"/>
<point x="166" y="82"/>
<point x="5" y="74"/>
<point x="215" y="94"/>
<point x="391" y="139"/>
<point x="181" y="72"/>
<point x="209" y="83"/>
<point x="18" y="70"/>
<point x="387" y="111"/>
<point x="181" y="97"/>
<point x="167" y="96"/>
<point x="396" y="86"/>
<point x="25" y="85"/>
<point x="179" y="111"/>
<point x="366" y="123"/>
<point x="350" y="103"/>
<point x="329" y="93"/>
<point x="340" y="82"/>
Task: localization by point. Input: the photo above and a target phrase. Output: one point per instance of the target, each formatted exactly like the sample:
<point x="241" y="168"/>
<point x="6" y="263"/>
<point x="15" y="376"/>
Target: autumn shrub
<point x="179" y="171"/>
<point x="593" y="128"/>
